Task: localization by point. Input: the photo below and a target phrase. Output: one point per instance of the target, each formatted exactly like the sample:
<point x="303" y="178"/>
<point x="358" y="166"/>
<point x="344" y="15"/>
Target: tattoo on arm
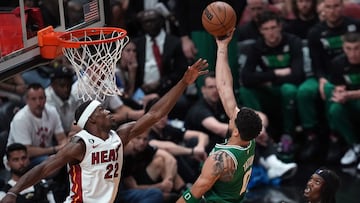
<point x="221" y="166"/>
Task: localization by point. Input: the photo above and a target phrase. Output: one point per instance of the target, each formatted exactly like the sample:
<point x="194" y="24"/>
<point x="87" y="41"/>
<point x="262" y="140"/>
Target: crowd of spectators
<point x="296" y="62"/>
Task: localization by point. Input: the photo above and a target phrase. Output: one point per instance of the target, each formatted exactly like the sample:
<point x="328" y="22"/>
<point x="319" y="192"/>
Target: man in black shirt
<point x="345" y="96"/>
<point x="271" y="75"/>
<point x="325" y="43"/>
<point x="305" y="18"/>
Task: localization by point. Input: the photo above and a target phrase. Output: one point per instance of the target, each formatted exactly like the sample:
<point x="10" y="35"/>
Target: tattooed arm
<point x="218" y="166"/>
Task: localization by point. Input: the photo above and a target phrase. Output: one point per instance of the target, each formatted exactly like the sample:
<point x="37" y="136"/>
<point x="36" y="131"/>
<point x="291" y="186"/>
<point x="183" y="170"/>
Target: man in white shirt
<point x="36" y="126"/>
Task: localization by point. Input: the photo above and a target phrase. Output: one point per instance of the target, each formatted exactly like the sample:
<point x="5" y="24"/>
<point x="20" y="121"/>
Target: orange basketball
<point x="218" y="18"/>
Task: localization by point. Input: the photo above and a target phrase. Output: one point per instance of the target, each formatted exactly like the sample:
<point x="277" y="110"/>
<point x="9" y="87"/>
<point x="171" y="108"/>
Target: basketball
<point x="218" y="18"/>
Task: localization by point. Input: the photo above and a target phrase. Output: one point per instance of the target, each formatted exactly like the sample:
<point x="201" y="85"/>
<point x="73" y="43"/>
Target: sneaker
<point x="278" y="169"/>
<point x="351" y="156"/>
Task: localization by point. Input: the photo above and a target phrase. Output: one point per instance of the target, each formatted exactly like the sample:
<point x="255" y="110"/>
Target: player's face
<point x="271" y="31"/>
<point x="62" y="87"/>
<point x="18" y="162"/>
<point x="209" y="90"/>
<point x="304" y="6"/>
<point x="103" y="117"/>
<point x="312" y="191"/>
<point x="352" y="52"/>
<point x="333" y="10"/>
<point x="36" y="99"/>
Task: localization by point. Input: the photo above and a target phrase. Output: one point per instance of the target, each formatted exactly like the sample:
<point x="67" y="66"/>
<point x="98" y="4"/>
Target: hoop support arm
<point x="49" y="43"/>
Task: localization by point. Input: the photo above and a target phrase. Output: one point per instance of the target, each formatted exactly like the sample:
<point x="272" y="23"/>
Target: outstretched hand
<point x="195" y="70"/>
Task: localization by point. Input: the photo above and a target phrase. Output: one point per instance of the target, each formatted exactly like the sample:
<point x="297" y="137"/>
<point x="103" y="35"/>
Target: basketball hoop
<point x="93" y="53"/>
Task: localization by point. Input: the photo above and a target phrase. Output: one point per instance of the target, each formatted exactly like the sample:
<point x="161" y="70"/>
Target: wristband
<point x="12" y="194"/>
<point x="189" y="198"/>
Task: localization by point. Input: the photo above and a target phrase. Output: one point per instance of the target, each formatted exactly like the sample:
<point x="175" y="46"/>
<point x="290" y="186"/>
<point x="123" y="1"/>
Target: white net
<point x="95" y="65"/>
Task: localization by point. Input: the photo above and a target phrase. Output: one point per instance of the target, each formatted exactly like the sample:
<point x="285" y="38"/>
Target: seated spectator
<point x="249" y="30"/>
<point x="344" y="92"/>
<point x="18" y="162"/>
<point x="36" y="126"/>
<point x="305" y="18"/>
<point x="161" y="61"/>
<point x="126" y="76"/>
<point x="325" y="43"/>
<point x="58" y="94"/>
<point x="188" y="146"/>
<point x="207" y="114"/>
<point x="271" y="75"/>
<point x="322" y="186"/>
<point x="148" y="167"/>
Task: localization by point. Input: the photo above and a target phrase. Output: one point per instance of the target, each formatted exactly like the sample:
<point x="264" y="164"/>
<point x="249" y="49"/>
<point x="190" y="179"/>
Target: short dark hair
<point x="14" y="147"/>
<point x="210" y="74"/>
<point x="267" y="16"/>
<point x="351" y="37"/>
<point x="81" y="109"/>
<point x="34" y="86"/>
<point x="248" y="123"/>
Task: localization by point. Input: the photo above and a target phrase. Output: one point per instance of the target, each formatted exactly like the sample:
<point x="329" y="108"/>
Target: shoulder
<point x="339" y="60"/>
<point x="317" y="28"/>
<point x="220" y="164"/>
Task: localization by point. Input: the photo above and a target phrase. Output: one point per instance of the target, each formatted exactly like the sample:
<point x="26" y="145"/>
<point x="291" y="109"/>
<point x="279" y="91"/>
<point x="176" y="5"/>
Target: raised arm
<point x="224" y="79"/>
<point x="72" y="152"/>
<point x="166" y="103"/>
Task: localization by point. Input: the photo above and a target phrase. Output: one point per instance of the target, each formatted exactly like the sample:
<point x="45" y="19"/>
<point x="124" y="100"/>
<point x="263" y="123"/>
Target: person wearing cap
<point x="58" y="94"/>
<point x="95" y="154"/>
<point x="322" y="186"/>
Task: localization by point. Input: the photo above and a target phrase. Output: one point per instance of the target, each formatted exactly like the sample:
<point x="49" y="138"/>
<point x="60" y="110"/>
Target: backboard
<point x="21" y="19"/>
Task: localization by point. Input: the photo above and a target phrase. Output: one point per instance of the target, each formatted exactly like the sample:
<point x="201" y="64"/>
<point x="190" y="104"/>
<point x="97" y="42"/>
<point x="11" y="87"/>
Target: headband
<point x="87" y="113"/>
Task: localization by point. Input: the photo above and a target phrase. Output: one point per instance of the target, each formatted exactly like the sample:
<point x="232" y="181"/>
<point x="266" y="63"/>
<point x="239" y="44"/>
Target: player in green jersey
<point x="226" y="172"/>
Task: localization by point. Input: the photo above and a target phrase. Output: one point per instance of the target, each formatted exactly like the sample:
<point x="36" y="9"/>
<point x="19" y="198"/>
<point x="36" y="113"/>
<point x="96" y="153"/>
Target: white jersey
<point x="96" y="178"/>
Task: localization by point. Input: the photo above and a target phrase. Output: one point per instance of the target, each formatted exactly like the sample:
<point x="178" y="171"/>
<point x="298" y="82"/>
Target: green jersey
<point x="234" y="190"/>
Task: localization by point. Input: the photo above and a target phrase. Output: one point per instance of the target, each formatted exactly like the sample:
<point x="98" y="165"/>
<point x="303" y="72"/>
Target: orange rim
<point x="65" y="38"/>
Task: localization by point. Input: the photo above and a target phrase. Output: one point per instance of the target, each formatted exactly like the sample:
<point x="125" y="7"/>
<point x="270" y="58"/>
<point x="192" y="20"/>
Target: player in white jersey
<point x="95" y="154"/>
